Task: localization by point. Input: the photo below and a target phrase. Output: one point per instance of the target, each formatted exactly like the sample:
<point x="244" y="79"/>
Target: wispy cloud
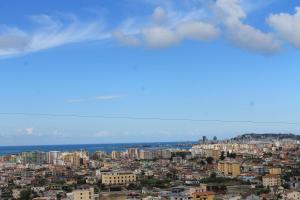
<point x="170" y="23"/>
<point x="126" y="39"/>
<point x="108" y="97"/>
<point x="171" y="26"/>
<point x="49" y="32"/>
<point x="207" y="20"/>
<point x="97" y="98"/>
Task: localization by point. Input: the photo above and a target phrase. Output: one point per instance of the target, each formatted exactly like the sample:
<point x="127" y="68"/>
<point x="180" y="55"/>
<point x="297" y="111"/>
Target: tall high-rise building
<point x="163" y="153"/>
<point x="146" y="155"/>
<point x="34" y="157"/>
<point x="115" y="155"/>
<point x="133" y="153"/>
<point x="52" y="157"/>
<point x="204" y="139"/>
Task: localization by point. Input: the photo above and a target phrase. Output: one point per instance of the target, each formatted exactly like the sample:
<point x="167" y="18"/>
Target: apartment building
<point x="275" y="170"/>
<point x="203" y="196"/>
<point x="146" y="155"/>
<point x="271" y="180"/>
<point x="118" y="178"/>
<point x="229" y="168"/>
<point x="82" y="194"/>
<point x="115" y="155"/>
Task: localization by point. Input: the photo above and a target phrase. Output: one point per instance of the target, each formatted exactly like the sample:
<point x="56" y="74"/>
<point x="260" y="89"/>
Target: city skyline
<point x="155" y="59"/>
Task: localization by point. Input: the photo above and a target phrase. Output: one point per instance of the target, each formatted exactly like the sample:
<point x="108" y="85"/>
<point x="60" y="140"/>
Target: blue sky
<point x="220" y="59"/>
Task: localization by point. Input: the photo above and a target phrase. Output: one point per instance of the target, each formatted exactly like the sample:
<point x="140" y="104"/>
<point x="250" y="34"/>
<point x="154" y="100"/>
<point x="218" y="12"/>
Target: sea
<point x="91" y="148"/>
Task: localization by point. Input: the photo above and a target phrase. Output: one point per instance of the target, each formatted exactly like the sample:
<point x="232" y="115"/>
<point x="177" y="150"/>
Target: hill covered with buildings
<point x="264" y="136"/>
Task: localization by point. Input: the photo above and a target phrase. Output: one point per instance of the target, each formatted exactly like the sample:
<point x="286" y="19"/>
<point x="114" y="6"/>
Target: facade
<point x="163" y="154"/>
<point x="133" y="153"/>
<point x="203" y="196"/>
<point x="71" y="159"/>
<point x="229" y="168"/>
<point x="291" y="195"/>
<point x="201" y="188"/>
<point x="215" y="154"/>
<point x="52" y="157"/>
<point x="34" y="157"/>
<point x="146" y="155"/>
<point x="83" y="194"/>
<point x="115" y="155"/>
<point x="118" y="178"/>
<point x="275" y="170"/>
<point x="271" y="180"/>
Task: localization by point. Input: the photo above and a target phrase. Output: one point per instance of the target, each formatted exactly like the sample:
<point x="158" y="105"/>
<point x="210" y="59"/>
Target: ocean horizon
<point x="108" y="148"/>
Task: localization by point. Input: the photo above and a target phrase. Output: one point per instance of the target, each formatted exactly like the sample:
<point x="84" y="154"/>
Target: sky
<point x="90" y="71"/>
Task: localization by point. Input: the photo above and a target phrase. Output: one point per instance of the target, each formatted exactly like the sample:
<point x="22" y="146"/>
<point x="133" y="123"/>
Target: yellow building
<point x="107" y="165"/>
<point x="271" y="180"/>
<point x="84" y="194"/>
<point x="118" y="178"/>
<point x="71" y="159"/>
<point x="203" y="196"/>
<point x="215" y="154"/>
<point x="275" y="170"/>
<point x="229" y="168"/>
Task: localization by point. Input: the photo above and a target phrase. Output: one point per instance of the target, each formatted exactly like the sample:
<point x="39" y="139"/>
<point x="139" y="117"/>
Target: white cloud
<point x="49" y="33"/>
<point x="287" y="26"/>
<point x="29" y="131"/>
<point x="159" y="14"/>
<point x="108" y="97"/>
<point x="160" y="37"/>
<point x="172" y="26"/>
<point x="197" y="30"/>
<point x="247" y="37"/>
<point x="12" y="40"/>
<point x="229" y="11"/>
<point x="166" y="29"/>
<point x="231" y="14"/>
<point x="169" y="24"/>
<point x="126" y="39"/>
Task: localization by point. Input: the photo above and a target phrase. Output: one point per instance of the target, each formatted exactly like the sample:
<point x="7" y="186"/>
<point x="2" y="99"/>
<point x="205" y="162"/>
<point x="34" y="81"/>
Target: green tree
<point x="25" y="194"/>
<point x="232" y="155"/>
<point x="213" y="175"/>
<point x="209" y="160"/>
<point x="132" y="186"/>
<point x="222" y="157"/>
<point x="227" y="154"/>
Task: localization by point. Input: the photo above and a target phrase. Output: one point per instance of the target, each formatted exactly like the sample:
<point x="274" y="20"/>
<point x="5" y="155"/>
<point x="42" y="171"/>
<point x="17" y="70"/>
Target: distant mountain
<point x="257" y="136"/>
